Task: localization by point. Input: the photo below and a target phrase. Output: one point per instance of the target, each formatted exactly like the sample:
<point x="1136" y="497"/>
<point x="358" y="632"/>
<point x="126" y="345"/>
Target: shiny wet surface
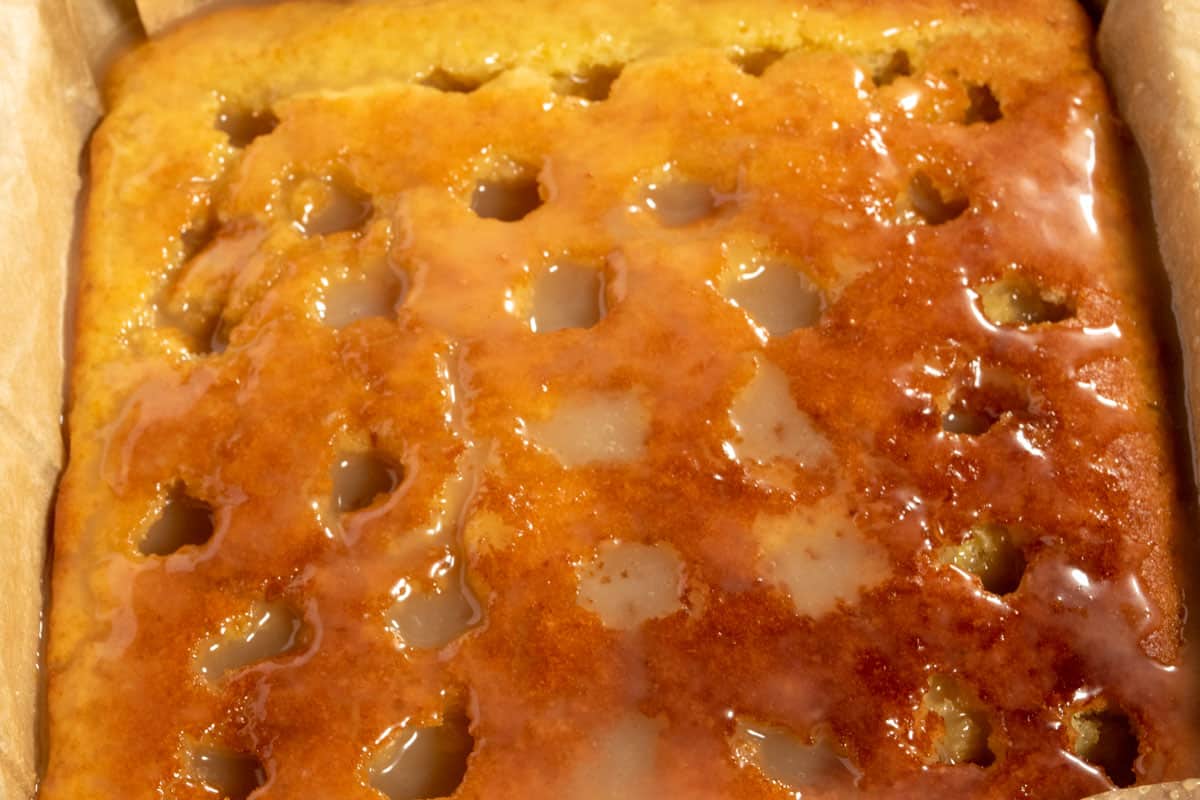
<point x="654" y="552"/>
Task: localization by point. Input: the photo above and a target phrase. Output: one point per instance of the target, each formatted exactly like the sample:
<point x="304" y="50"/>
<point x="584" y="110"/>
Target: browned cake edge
<point x="1148" y="53"/>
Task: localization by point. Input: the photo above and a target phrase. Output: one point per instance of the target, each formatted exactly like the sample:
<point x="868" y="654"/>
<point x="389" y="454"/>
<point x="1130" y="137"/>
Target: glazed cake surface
<point x="615" y="399"/>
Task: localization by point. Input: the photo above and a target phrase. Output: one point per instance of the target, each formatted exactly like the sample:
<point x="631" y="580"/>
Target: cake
<point x="619" y="399"/>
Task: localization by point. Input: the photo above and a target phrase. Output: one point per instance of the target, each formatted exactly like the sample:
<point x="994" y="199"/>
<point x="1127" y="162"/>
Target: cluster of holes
<point x="359" y="481"/>
<point x="428" y="762"/>
<point x="325" y="206"/>
<point x="982" y="104"/>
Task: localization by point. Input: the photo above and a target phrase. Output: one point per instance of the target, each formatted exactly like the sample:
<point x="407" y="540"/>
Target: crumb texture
<point x="655" y="399"/>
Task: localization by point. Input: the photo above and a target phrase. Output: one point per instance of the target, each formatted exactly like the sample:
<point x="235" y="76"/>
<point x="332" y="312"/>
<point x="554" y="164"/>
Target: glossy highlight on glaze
<point x="692" y="534"/>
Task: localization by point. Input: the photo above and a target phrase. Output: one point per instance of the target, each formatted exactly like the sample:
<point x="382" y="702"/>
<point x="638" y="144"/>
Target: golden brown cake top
<point x="615" y="399"/>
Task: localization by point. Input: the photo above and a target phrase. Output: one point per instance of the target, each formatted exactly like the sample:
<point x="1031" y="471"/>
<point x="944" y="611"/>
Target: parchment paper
<point x="49" y="105"/>
<point x="1151" y="52"/>
<point x="49" y="51"/>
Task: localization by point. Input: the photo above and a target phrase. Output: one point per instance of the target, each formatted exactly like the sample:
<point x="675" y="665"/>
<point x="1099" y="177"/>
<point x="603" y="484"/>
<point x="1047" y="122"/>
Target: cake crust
<point x="807" y="507"/>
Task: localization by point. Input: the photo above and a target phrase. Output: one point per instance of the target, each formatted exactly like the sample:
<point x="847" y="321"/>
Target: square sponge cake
<point x="616" y="399"/>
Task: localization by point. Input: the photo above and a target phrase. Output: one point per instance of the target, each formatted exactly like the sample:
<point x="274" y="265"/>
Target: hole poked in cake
<point x="243" y="125"/>
<point x="429" y="618"/>
<point x="770" y="426"/>
<point x="567" y="294"/>
<point x="934" y="205"/>
<point x="194" y="299"/>
<point x="620" y="758"/>
<point x="957" y="722"/>
<point x="628" y="583"/>
<point x="327" y="204"/>
<point x="184" y="521"/>
<point x="756" y="61"/>
<point x="197" y="235"/>
<point x="777" y="296"/>
<point x="678" y="203"/>
<point x="818" y="557"/>
<point x="593" y="428"/>
<point x="785" y="758"/>
<point x="983" y="105"/>
<point x="269" y="629"/>
<point x="362" y="479"/>
<point x="990" y="553"/>
<point x="510" y="194"/>
<point x="1106" y="738"/>
<point x="226" y="773"/>
<point x="891" y="66"/>
<point x="206" y="333"/>
<point x="454" y="82"/>
<point x="423" y="762"/>
<point x="593" y="83"/>
<point x="978" y="403"/>
<point x="375" y="291"/>
<point x="1017" y="300"/>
